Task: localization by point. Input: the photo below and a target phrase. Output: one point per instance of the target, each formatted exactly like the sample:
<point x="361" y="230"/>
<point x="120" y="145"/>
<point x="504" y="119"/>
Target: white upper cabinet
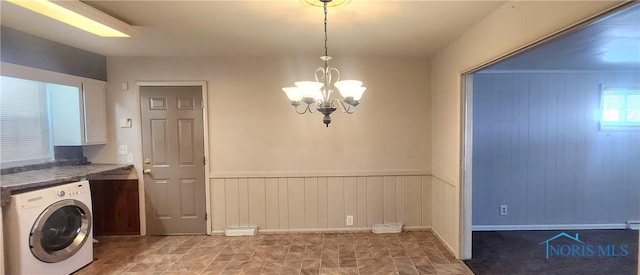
<point x="76" y="105"/>
<point x="78" y="114"/>
<point x="95" y="113"/>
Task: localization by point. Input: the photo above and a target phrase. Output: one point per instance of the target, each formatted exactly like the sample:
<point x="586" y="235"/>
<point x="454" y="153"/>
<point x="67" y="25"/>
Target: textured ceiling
<point x="363" y="28"/>
<point x="259" y="28"/>
<point x="612" y="43"/>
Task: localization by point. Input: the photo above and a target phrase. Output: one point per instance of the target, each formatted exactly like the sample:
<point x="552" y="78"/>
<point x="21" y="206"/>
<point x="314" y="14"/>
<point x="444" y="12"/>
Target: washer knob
<point x="61" y="193"/>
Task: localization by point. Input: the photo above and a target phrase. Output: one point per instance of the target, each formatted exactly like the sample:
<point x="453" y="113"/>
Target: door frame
<point x="205" y="122"/>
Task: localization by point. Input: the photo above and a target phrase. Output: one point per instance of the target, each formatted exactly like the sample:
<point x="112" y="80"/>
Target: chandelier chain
<point x="325" y="30"/>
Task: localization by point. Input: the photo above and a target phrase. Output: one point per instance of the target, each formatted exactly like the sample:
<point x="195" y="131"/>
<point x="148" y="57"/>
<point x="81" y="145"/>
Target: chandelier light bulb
<point x="319" y="93"/>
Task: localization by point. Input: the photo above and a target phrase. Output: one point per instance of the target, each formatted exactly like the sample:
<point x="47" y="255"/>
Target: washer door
<point x="60" y="231"/>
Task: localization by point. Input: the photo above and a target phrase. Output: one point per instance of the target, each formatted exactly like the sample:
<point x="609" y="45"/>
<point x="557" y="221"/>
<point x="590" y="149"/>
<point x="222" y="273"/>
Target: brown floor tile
<point x="353" y="253"/>
<point x="237" y="265"/>
<point x="339" y="271"/>
<point x="404" y="265"/>
<point x="272" y="267"/>
<point x="425" y="269"/>
<point x="310" y="271"/>
<point x="330" y="263"/>
<point x="452" y="269"/>
<point x="216" y="267"/>
<point x="348" y="262"/>
<point x="311" y="264"/>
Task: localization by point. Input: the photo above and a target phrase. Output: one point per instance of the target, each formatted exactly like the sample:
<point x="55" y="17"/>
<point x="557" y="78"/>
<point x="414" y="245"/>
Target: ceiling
<point x="362" y="28"/>
<point x="266" y="28"/>
<point x="611" y="43"/>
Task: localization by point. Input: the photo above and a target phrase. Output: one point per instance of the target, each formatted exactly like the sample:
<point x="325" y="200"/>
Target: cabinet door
<point x="95" y="113"/>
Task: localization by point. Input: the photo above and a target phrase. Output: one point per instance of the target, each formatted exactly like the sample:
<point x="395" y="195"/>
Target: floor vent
<point x="240" y="230"/>
<point x="387" y="228"/>
<point x="634" y="225"/>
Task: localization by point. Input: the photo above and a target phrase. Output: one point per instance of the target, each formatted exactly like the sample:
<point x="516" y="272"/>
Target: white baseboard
<point x="326" y="230"/>
<point x="417" y="228"/>
<point x="548" y="227"/>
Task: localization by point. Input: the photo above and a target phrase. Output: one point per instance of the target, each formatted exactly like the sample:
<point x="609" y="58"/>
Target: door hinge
<point x="204" y="160"/>
<point x="206" y="216"/>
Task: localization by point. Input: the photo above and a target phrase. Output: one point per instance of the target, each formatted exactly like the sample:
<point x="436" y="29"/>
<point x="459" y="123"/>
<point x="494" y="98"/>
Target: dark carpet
<point x="525" y="252"/>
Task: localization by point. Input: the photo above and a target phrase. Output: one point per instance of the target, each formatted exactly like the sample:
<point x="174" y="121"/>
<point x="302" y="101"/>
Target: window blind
<point x="24" y="122"/>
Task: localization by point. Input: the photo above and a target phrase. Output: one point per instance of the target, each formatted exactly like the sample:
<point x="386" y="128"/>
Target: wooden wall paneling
<point x="350" y="201"/>
<point x="323" y="203"/>
<point x="375" y="201"/>
<point x="362" y="202"/>
<point x="401" y="201"/>
<point x="414" y="200"/>
<point x="272" y="201"/>
<point x="389" y="199"/>
<point x="427" y="199"/>
<point x="538" y="148"/>
<point x="320" y="202"/>
<point x="232" y="207"/>
<point x="296" y="203"/>
<point x="335" y="191"/>
<point x="311" y="202"/>
<point x="243" y="201"/>
<point x="218" y="204"/>
<point x="536" y="152"/>
<point x="257" y="203"/>
<point x="283" y="202"/>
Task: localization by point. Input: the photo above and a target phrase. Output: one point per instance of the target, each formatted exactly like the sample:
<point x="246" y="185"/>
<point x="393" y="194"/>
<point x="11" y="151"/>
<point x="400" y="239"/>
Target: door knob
<point x="147" y="171"/>
<point x="147" y="161"/>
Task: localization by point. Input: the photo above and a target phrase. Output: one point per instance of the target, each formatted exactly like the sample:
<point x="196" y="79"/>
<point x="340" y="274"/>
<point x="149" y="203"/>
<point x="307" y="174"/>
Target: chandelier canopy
<point x="318" y="94"/>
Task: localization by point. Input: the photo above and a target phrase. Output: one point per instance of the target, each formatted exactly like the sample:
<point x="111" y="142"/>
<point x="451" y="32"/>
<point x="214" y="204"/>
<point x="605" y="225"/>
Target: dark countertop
<point x="17" y="182"/>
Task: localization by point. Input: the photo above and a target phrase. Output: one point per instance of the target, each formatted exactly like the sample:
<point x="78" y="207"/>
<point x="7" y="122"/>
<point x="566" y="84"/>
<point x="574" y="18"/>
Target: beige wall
<point x="514" y="25"/>
<point x="254" y="132"/>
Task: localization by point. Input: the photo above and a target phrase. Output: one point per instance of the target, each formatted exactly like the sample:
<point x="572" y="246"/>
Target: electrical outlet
<point x="122" y="149"/>
<point x="503" y="210"/>
<point x="130" y="158"/>
<point x="349" y="220"/>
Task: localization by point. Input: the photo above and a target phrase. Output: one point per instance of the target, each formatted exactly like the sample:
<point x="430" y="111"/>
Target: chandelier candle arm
<point x="319" y="93"/>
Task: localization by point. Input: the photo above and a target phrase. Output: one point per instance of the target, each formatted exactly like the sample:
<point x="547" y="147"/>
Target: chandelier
<point x="318" y="94"/>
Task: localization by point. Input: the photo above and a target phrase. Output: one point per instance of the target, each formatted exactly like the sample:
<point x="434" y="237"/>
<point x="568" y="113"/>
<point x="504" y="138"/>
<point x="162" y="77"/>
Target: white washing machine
<point x="48" y="231"/>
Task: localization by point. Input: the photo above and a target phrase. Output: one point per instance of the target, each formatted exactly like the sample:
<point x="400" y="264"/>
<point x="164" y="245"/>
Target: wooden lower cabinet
<point x="116" y="207"/>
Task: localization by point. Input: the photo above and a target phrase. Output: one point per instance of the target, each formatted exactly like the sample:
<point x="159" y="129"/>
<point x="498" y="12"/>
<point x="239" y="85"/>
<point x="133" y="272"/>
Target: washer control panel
<point x="76" y="193"/>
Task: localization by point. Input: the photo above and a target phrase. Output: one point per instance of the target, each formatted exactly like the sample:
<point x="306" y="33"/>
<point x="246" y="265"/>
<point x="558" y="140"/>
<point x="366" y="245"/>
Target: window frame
<point x="623" y="125"/>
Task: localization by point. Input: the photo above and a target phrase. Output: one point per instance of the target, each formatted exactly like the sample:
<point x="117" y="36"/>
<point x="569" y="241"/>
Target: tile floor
<point x="330" y="253"/>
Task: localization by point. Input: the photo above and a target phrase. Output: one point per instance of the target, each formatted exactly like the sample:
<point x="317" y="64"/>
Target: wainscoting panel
<point x="320" y="203"/>
<point x="538" y="148"/>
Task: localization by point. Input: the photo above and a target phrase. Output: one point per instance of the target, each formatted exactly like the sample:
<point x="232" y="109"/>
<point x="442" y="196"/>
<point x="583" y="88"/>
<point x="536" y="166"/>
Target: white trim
<point x="207" y="157"/>
<point x="417" y="228"/>
<point x="446" y="179"/>
<point x="29" y="73"/>
<point x="329" y="230"/>
<point x="303" y="174"/>
<point x="549" y="227"/>
<point x="524" y="71"/>
<point x="466" y="169"/>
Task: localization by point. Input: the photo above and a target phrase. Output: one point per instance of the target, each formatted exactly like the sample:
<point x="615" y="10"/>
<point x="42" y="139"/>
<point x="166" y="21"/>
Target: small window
<point x="24" y="122"/>
<point x="620" y="109"/>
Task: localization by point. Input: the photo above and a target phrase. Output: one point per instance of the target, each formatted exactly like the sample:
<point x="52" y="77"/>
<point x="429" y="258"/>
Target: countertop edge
<point x="7" y="191"/>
